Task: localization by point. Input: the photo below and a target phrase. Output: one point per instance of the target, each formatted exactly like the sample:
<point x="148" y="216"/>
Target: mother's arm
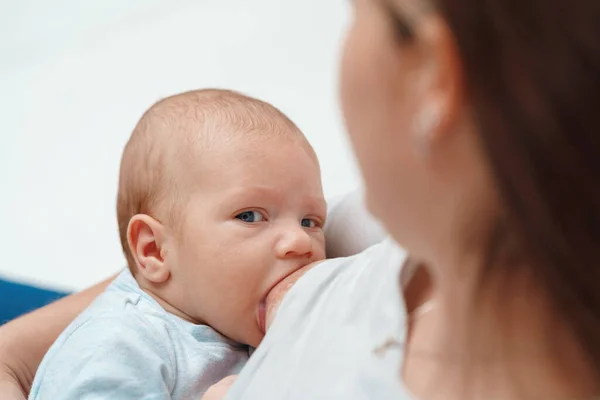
<point x="24" y="341"/>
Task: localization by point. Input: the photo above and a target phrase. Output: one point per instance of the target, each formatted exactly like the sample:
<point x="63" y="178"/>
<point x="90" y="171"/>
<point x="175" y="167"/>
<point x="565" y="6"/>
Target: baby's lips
<point x="262" y="318"/>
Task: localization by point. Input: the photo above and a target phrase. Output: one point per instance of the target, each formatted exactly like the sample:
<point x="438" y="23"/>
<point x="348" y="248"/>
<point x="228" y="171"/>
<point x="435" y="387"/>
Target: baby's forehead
<point x="236" y="149"/>
<point x="218" y="145"/>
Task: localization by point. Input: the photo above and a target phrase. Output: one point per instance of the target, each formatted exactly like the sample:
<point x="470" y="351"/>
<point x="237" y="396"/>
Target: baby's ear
<point x="145" y="236"/>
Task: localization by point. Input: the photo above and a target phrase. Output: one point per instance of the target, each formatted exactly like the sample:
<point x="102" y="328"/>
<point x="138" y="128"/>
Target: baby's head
<point x="219" y="199"/>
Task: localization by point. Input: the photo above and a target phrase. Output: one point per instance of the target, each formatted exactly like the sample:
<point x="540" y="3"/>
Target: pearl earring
<point x="424" y="125"/>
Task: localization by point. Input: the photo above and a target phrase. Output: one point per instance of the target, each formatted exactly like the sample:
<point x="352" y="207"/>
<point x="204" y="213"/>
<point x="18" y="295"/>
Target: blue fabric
<point x="126" y="346"/>
<point x="17" y="299"/>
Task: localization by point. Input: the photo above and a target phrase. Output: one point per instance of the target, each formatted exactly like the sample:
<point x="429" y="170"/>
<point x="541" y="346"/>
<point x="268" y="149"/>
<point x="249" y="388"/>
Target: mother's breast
<point x="276" y="295"/>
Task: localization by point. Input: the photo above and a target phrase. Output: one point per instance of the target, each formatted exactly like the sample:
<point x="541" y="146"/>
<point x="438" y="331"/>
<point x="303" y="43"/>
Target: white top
<point x="337" y="334"/>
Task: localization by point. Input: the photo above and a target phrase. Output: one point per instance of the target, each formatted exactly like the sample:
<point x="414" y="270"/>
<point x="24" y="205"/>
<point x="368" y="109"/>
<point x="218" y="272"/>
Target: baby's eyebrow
<point x="318" y="203"/>
<point x="258" y="191"/>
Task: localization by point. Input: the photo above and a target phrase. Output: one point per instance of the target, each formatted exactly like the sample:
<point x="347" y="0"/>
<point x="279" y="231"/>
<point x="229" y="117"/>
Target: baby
<point x="219" y="200"/>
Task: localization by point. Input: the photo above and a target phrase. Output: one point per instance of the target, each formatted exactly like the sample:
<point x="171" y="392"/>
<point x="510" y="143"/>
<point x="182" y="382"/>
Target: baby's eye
<point x="250" y="216"/>
<point x="309" y="223"/>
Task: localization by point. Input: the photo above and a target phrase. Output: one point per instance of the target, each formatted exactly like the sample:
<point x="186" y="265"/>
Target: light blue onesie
<point x="126" y="346"/>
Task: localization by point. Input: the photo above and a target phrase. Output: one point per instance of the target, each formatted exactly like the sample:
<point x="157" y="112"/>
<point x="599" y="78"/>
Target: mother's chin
<point x="276" y="295"/>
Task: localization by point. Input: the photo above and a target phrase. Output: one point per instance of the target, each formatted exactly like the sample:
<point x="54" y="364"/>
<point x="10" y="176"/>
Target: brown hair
<point x="159" y="148"/>
<point x="532" y="71"/>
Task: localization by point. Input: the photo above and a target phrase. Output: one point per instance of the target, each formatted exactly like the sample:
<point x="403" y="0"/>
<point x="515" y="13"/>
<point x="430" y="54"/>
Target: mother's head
<point x="474" y="123"/>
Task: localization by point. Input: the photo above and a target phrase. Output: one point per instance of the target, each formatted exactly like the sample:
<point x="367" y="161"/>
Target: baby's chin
<point x="276" y="295"/>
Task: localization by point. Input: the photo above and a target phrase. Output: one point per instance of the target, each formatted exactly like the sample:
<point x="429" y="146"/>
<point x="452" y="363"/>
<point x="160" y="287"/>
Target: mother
<point x="474" y="125"/>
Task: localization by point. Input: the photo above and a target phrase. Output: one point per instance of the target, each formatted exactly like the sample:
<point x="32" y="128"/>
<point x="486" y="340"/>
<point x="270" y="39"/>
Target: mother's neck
<point x="501" y="336"/>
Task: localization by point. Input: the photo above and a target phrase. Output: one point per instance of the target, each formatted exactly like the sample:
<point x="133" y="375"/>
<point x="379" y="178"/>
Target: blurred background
<point x="76" y="76"/>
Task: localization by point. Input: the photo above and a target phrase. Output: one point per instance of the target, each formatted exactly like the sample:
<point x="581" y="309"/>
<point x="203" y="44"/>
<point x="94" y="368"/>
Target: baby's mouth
<point x="262" y="315"/>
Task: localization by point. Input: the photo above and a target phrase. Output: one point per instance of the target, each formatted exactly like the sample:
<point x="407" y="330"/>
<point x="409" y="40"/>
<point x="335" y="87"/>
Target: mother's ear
<point x="440" y="91"/>
<point x="146" y="239"/>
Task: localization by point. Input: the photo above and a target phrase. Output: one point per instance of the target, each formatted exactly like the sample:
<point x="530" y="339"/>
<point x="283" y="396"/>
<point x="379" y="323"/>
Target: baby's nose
<point x="296" y="243"/>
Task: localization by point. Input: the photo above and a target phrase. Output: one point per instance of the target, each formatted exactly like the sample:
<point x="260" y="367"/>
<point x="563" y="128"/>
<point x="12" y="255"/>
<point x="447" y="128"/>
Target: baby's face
<point x="255" y="218"/>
